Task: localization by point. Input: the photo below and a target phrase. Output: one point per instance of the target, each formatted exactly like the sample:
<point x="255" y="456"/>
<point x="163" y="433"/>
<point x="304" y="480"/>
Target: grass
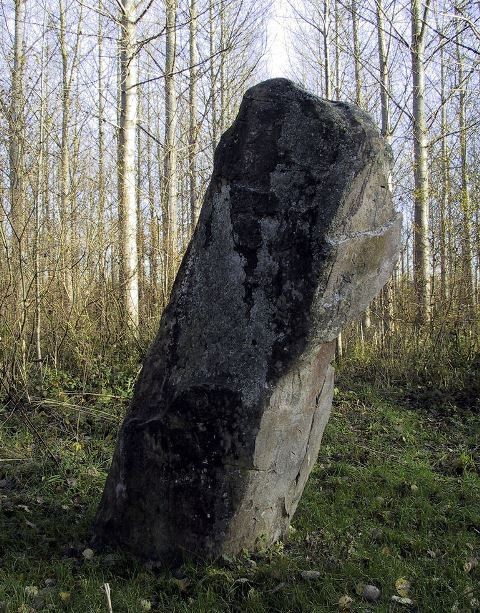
<point x="395" y="494"/>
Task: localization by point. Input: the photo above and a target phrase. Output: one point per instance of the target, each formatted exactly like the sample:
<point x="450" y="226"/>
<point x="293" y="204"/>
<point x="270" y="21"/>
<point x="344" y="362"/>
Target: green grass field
<point x="395" y="496"/>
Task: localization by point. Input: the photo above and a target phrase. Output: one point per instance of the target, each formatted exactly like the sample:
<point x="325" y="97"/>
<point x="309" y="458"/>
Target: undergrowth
<point x="395" y="495"/>
<point x="438" y="367"/>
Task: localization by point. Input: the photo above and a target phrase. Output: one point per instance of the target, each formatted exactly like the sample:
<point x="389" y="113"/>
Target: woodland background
<point x="110" y="111"/>
<point x="109" y="116"/>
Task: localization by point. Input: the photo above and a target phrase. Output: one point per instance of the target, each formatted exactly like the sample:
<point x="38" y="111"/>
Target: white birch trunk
<point x="445" y="196"/>
<point x="17" y="164"/>
<point x="64" y="171"/>
<point x="356" y="54"/>
<point x="466" y="288"/>
<point x="170" y="154"/>
<point x="127" y="170"/>
<point x="192" y="107"/>
<point x="421" y="248"/>
<point x="213" y="78"/>
<point x="326" y="49"/>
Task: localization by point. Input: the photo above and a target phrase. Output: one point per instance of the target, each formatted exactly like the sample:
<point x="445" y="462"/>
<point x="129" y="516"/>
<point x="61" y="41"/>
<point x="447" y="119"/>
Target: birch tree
<point x="126" y="163"/>
<point x="421" y="248"/>
<point x="170" y="153"/>
<point x="16" y="121"/>
<point x="192" y="102"/>
<point x="465" y="205"/>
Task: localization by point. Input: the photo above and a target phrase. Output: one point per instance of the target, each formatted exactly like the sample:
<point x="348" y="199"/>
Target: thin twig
<point x="106" y="589"/>
<point x="14" y="459"/>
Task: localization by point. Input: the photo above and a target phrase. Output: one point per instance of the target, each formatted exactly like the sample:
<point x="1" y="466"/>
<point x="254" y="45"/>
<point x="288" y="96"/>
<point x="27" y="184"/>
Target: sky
<point x="277" y="53"/>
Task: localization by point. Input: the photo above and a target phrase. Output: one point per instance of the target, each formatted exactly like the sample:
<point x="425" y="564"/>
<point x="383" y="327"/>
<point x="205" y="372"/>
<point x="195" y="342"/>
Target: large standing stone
<point x="297" y="234"/>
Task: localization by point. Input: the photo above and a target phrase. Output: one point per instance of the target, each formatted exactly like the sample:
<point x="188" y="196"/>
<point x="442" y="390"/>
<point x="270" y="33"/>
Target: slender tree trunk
<point x="477" y="268"/>
<point x="356" y="54"/>
<point x="162" y="216"/>
<point x="192" y="108"/>
<point x="384" y="80"/>
<point x="326" y="48"/>
<point x="118" y="272"/>
<point x="387" y="292"/>
<point x="153" y="218"/>
<point x="223" y="56"/>
<point x="140" y="225"/>
<point x="421" y="250"/>
<point x="47" y="225"/>
<point x="126" y="162"/>
<point x="17" y="166"/>
<point x="336" y="45"/>
<point x="64" y="172"/>
<point x="74" y="221"/>
<point x="101" y="164"/>
<point x="466" y="289"/>
<point x="170" y="154"/>
<point x="445" y="195"/>
<point x="39" y="184"/>
<point x="213" y="78"/>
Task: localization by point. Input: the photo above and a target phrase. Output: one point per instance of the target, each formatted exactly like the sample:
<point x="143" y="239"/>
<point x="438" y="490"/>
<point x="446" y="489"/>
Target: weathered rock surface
<point x="297" y="234"/>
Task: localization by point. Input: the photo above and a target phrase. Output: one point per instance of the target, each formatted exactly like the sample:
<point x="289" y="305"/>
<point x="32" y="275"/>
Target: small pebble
<point x="371" y="593"/>
<point x="407" y="602"/>
<point x="308" y="575"/>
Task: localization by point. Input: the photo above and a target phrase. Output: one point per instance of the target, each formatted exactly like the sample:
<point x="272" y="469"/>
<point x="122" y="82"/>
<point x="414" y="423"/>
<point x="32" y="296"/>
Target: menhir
<point x="296" y="236"/>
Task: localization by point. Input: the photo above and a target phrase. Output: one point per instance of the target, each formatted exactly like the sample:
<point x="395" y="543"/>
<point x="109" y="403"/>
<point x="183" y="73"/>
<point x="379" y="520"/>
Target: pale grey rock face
<point x="297" y="234"/>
